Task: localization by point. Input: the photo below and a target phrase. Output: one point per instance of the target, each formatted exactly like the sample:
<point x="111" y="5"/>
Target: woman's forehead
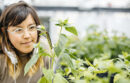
<point x="29" y="20"/>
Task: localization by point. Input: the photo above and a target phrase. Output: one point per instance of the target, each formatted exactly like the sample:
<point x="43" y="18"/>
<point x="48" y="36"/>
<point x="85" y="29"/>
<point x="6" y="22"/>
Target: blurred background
<point x="113" y="15"/>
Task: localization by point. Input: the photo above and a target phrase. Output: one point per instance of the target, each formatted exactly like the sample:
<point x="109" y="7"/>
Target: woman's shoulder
<point x="2" y="59"/>
<point x="2" y="56"/>
<point x="2" y="65"/>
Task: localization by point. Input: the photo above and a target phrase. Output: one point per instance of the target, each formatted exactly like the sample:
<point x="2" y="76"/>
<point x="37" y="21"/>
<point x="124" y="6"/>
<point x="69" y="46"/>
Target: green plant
<point x="96" y="43"/>
<point x="59" y="48"/>
<point x="97" y="58"/>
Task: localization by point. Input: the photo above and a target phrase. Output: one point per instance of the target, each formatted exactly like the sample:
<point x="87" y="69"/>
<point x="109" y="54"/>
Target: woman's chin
<point x="26" y="51"/>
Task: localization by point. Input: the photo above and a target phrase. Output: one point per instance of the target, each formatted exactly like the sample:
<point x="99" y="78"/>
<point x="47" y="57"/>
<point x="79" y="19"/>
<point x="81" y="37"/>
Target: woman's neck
<point x="23" y="57"/>
<point x="22" y="54"/>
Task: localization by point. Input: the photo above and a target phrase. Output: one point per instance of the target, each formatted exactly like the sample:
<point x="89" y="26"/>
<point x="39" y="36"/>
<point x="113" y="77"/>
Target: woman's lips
<point x="27" y="43"/>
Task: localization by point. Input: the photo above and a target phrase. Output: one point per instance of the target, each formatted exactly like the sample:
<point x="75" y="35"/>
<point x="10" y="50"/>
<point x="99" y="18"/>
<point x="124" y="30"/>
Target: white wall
<point x="117" y="21"/>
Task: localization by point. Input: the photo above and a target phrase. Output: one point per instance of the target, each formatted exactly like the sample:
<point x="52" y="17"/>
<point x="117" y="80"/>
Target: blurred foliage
<point x="97" y="58"/>
<point x="96" y="43"/>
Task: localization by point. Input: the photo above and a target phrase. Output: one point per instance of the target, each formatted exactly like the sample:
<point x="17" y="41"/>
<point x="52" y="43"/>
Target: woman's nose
<point x="26" y="34"/>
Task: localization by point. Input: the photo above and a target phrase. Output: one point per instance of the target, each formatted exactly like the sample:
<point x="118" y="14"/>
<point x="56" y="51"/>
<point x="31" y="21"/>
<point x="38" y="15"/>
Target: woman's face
<point x="24" y="35"/>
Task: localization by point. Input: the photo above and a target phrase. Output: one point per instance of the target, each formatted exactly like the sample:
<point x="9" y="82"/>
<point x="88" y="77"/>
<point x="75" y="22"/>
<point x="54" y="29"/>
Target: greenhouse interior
<point x="69" y="41"/>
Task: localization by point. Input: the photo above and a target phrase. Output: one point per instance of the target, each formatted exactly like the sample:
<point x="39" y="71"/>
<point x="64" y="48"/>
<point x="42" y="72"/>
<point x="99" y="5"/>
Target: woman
<point x="18" y="33"/>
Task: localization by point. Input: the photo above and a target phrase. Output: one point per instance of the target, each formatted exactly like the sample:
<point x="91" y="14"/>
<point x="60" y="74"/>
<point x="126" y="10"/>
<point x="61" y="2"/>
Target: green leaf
<point x="80" y="81"/>
<point x="62" y="23"/>
<point x="42" y="80"/>
<point x="59" y="79"/>
<point x="69" y="51"/>
<point x="42" y="52"/>
<point x="31" y="62"/>
<point x="65" y="22"/>
<point x="48" y="74"/>
<point x="100" y="71"/>
<point x="128" y="57"/>
<point x="88" y="62"/>
<point x="67" y="59"/>
<point x="57" y="24"/>
<point x="125" y="54"/>
<point x="61" y="44"/>
<point x="113" y="69"/>
<point x="72" y="30"/>
<point x="42" y="27"/>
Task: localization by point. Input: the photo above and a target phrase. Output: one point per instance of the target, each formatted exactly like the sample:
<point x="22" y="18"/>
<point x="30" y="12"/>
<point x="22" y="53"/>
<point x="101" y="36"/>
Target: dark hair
<point x="16" y="13"/>
<point x="0" y="11"/>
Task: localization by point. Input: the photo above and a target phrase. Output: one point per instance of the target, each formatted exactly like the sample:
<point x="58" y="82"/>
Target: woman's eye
<point x="19" y="30"/>
<point x="32" y="27"/>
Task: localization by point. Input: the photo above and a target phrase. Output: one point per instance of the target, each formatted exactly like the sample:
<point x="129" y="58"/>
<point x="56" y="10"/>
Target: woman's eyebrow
<point x="27" y="25"/>
<point x="18" y="26"/>
<point x="31" y="24"/>
<point x="15" y="27"/>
